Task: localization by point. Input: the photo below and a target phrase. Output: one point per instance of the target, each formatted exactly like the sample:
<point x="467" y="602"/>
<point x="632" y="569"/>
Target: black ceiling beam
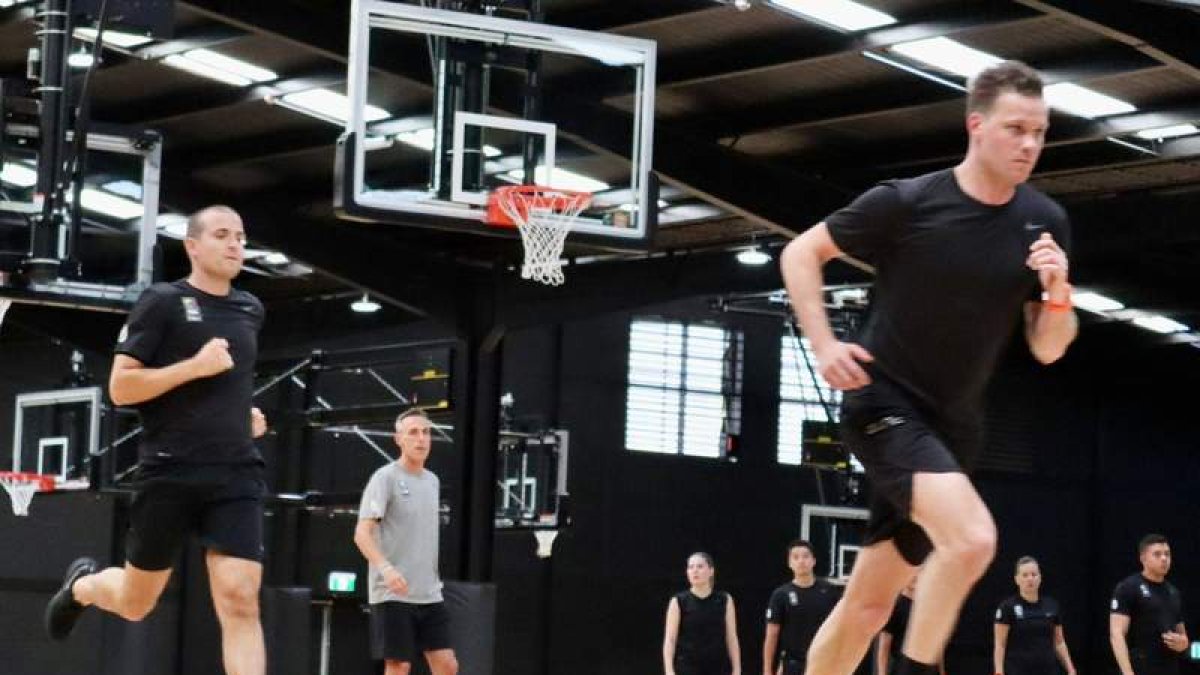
<point x="755" y="55"/>
<point x="1103" y="156"/>
<point x="941" y="148"/>
<point x="322" y="32"/>
<point x="207" y="97"/>
<point x="1161" y="32"/>
<point x="782" y="199"/>
<point x="915" y="94"/>
<point x="624" y="17"/>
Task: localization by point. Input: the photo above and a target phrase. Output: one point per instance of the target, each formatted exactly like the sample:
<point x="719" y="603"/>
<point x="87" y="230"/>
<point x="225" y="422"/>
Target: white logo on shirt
<point x="793" y="598"/>
<point x="1115" y="605"/>
<point x="999" y="614"/>
<point x="768" y="613"/>
<point x="124" y="334"/>
<point x="1145" y="590"/>
<point x="191" y="309"/>
<point x="1019" y="611"/>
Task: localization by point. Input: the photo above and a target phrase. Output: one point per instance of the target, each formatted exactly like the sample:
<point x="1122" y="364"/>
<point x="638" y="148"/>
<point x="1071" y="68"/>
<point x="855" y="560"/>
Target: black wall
<point x="1083" y="458"/>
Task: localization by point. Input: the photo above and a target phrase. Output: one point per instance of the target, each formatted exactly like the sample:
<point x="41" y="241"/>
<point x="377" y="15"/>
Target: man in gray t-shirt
<point x="397" y="533"/>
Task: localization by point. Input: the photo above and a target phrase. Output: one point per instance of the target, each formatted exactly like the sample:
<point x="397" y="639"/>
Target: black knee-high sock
<point x="907" y="666"/>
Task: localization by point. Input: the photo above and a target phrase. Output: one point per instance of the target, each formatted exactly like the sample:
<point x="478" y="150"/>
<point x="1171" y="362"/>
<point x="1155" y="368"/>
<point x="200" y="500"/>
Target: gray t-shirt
<point x="406" y="506"/>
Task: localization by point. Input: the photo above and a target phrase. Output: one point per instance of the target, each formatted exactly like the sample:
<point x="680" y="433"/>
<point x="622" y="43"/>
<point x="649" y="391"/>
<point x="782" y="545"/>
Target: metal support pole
<point x="42" y="262"/>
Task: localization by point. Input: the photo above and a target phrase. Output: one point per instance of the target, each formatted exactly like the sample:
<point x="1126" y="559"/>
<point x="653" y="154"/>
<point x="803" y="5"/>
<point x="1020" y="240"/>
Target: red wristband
<point x="1064" y="306"/>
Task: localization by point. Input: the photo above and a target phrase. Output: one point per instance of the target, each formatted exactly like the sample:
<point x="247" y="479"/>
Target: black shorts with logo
<point x="221" y="503"/>
<point x="400" y="631"/>
<point x="895" y="436"/>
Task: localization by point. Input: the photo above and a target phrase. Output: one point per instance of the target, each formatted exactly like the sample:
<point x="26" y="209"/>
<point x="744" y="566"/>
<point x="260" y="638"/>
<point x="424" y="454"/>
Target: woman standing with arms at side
<point x="701" y="633"/>
<point x="1029" y="634"/>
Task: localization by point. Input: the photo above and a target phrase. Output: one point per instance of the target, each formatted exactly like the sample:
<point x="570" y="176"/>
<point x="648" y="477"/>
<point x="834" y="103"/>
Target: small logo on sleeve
<point x="123" y="335"/>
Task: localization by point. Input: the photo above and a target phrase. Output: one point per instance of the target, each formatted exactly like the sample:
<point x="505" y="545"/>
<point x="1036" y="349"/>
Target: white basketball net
<point x="543" y="217"/>
<point x="545" y="542"/>
<point x="21" y="490"/>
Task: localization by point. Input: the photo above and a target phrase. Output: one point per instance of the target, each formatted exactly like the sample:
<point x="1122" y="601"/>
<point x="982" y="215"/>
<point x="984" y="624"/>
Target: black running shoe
<point x="63" y="611"/>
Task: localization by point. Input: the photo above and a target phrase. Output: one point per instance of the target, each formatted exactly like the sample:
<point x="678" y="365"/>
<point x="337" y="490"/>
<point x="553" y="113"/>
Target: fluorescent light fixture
<point x="329" y="105"/>
<point x="365" y="305"/>
<point x="753" y="256"/>
<point x="1168" y="132"/>
<point x="19" y="175"/>
<point x="114" y="37"/>
<point x="947" y="54"/>
<point x="80" y="59"/>
<point x="841" y="14"/>
<point x="231" y="65"/>
<point x="109" y="205"/>
<point x="563" y="179"/>
<point x="1159" y="324"/>
<point x="1081" y="101"/>
<point x="423" y="139"/>
<point x="172" y="224"/>
<point x="1131" y="146"/>
<point x="275" y="258"/>
<point x="1095" y="303"/>
<point x="214" y="66"/>
<point x="125" y="188"/>
<point x="196" y="68"/>
<point x="912" y="70"/>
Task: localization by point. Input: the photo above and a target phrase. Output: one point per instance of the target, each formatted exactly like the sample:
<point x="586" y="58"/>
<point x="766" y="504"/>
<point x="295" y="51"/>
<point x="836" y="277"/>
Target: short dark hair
<point x="1150" y="540"/>
<point x="196" y="221"/>
<point x="411" y="412"/>
<point x="1024" y="560"/>
<point x="988" y="84"/>
<point x="801" y="543"/>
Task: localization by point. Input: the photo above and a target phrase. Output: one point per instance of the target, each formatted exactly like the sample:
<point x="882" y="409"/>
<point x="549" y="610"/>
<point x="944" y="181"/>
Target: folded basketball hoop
<point x="22" y="486"/>
<point x="543" y="216"/>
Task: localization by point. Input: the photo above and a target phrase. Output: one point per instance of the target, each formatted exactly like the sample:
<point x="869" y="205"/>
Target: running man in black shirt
<point x="795" y="612"/>
<point x="1146" y="624"/>
<point x="186" y="359"/>
<point x="701" y="632"/>
<point x="960" y="255"/>
<point x="1028" y="629"/>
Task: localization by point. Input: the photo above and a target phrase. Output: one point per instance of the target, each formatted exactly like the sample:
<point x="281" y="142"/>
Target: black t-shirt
<point x="950" y="284"/>
<point x="701" y="640"/>
<point x="1031" y="627"/>
<point x="897" y="623"/>
<point x="799" y="612"/>
<point x="205" y="420"/>
<point x="1153" y="608"/>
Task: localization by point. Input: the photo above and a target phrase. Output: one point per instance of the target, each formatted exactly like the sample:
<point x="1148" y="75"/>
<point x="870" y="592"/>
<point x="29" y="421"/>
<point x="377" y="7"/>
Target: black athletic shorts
<point x="895" y="437"/>
<point x="400" y="631"/>
<point x="1032" y="666"/>
<point x="792" y="666"/>
<point x="1147" y="666"/>
<point x="221" y="503"/>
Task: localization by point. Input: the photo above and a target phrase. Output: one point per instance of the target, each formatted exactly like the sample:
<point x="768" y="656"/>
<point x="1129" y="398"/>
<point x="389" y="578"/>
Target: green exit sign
<point x="342" y="582"/>
<point x="1194" y="653"/>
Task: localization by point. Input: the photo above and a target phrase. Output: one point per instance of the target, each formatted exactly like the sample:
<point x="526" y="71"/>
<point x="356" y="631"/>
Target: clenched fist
<point x="213" y="358"/>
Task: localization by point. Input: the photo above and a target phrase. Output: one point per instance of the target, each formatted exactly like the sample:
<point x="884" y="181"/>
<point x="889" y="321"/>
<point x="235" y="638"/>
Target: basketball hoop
<point x="543" y="216"/>
<point x="22" y="486"/>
